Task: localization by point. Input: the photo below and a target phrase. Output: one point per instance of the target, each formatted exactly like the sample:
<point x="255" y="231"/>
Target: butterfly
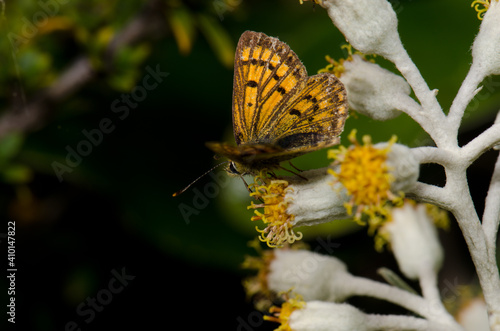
<point x="279" y="112"/>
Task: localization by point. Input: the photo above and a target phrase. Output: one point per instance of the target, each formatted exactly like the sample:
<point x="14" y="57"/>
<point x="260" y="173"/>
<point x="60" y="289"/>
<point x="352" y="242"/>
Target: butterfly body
<point x="279" y="112"/>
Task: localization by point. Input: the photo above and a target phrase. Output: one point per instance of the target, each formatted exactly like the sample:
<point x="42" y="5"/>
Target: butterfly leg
<point x="272" y="174"/>
<point x="246" y="184"/>
<point x="293" y="172"/>
<point x="249" y="189"/>
<point x="293" y="166"/>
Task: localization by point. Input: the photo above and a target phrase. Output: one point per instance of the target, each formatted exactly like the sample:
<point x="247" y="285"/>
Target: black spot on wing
<point x="258" y="62"/>
<point x="252" y="83"/>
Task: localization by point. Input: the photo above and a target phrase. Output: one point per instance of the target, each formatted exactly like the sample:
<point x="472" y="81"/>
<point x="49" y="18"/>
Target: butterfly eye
<point x="232" y="169"/>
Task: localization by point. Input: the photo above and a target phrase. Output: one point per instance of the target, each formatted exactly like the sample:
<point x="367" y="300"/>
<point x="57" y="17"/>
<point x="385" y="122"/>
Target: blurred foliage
<point x="11" y="172"/>
<point x="116" y="203"/>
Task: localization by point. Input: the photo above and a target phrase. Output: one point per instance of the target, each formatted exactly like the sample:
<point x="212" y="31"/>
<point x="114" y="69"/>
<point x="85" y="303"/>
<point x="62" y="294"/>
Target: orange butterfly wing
<point x="278" y="111"/>
<point x="267" y="74"/>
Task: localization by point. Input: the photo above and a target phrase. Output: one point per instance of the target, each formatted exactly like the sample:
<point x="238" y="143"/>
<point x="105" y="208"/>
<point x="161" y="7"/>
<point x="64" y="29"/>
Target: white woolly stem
<point x="428" y="154"/>
<point x="430" y="194"/>
<point x="430" y="290"/>
<point x="482" y="255"/>
<point x="481" y="143"/>
<point x="455" y="195"/>
<point x="465" y="94"/>
<point x="402" y="323"/>
<point x="358" y="286"/>
<point x="396" y="322"/>
<point x="432" y="113"/>
<point x="491" y="214"/>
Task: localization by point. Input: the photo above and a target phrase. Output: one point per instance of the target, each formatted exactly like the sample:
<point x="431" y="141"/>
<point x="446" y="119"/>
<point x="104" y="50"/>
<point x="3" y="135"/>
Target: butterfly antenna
<point x="197" y="179"/>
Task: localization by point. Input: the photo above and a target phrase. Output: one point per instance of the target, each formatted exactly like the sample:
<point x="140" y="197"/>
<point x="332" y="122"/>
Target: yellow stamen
<point x="256" y="287"/>
<point x="279" y="227"/>
<point x="337" y="67"/>
<point x="439" y="216"/>
<point x="364" y="173"/>
<point x="314" y="1"/>
<point x="481" y="6"/>
<point x="282" y="314"/>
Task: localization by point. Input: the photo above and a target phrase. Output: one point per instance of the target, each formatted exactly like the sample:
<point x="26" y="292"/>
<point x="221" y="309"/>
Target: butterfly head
<point x="237" y="169"/>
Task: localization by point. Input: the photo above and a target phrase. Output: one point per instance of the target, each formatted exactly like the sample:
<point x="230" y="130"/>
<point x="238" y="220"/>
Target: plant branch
<point x="360" y="286"/>
<point x="465" y="94"/>
<point x="468" y="221"/>
<point x="413" y="109"/>
<point x="430" y="107"/>
<point x="430" y="290"/>
<point x="429" y="193"/>
<point x="396" y="322"/>
<point x="491" y="214"/>
<point x="481" y="143"/>
<point x="429" y="154"/>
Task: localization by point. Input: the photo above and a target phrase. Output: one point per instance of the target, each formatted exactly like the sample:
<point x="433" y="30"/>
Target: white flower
<point x="327" y="316"/>
<point x="474" y="316"/>
<point x="318" y="316"/>
<point x="372" y="90"/>
<point x="311" y="275"/>
<point x="316" y="201"/>
<point x="294" y="201"/>
<point x="368" y="25"/>
<point x="486" y="47"/>
<point x="414" y="240"/>
<point x="403" y="166"/>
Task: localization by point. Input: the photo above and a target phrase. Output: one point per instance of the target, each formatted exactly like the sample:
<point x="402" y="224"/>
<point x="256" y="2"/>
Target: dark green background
<point x="116" y="208"/>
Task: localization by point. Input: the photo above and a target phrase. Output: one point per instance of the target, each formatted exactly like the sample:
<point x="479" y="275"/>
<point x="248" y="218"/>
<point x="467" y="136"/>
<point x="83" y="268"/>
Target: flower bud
<point x="368" y="25"/>
<point x="311" y="275"/>
<point x="414" y="240"/>
<point x="372" y="90"/>
<point x="474" y="316"/>
<point x="486" y="47"/>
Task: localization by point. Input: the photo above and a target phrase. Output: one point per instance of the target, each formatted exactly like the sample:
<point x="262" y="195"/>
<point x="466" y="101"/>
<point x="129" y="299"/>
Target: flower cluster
<point x="372" y="183"/>
<point x="321" y="283"/>
<point x="364" y="182"/>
